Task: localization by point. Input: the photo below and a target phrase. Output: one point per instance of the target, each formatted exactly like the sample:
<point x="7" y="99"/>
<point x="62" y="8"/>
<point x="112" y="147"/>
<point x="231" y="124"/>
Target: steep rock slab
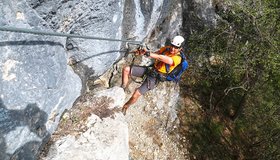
<point x="104" y="135"/>
<point x="151" y="21"/>
<point x="36" y="83"/>
<point x="96" y="18"/>
<point x="205" y="11"/>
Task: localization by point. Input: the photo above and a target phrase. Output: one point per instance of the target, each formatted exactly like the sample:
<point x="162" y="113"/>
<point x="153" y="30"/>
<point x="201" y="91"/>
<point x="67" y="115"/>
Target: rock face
<point x="197" y="14"/>
<point x="105" y="133"/>
<point x="90" y="17"/>
<point x="134" y="20"/>
<point x="36" y="83"/>
<point x="205" y="11"/>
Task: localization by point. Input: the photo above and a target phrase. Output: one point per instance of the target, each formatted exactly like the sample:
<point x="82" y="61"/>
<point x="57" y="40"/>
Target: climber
<point x="166" y="59"/>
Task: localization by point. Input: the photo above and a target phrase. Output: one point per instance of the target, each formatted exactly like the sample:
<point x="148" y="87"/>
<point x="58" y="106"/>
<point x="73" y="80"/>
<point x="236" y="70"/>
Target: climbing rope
<point x="30" y="31"/>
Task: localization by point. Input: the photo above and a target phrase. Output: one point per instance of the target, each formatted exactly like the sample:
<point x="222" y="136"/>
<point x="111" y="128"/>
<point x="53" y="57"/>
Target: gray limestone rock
<point x="206" y="11"/>
<point x="149" y="21"/>
<point x="92" y="18"/>
<point x="36" y="83"/>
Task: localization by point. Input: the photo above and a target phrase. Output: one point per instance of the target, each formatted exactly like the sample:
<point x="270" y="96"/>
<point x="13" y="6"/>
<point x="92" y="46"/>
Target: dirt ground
<point x="150" y="139"/>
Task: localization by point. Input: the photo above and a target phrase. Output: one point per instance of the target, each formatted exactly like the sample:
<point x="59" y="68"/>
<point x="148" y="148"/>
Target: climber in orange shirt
<point x="166" y="59"/>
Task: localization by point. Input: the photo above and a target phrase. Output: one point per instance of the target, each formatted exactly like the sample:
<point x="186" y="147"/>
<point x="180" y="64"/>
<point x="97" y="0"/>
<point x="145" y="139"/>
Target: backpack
<point x="176" y="73"/>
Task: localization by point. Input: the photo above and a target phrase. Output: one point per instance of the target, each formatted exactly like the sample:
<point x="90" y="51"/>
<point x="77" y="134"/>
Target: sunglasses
<point x="175" y="46"/>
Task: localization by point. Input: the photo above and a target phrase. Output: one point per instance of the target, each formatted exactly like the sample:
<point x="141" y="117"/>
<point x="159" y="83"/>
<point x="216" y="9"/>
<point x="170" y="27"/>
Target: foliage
<point x="236" y="77"/>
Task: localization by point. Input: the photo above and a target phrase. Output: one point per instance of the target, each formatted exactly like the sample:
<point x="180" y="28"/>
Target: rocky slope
<point x="94" y="130"/>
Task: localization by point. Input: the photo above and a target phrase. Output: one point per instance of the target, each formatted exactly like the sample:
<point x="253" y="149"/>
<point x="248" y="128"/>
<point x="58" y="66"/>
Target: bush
<point x="235" y="75"/>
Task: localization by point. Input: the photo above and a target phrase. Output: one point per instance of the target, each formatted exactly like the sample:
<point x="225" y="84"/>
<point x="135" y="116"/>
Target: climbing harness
<point x="153" y="73"/>
<point x="30" y="31"/>
<point x="140" y="50"/>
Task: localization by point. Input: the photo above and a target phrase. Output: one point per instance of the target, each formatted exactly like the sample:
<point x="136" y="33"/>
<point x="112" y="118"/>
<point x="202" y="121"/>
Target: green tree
<point x="235" y="75"/>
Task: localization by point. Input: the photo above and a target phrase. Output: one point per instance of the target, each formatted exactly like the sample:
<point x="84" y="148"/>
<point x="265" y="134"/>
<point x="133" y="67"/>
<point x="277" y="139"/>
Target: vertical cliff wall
<point x="36" y="83"/>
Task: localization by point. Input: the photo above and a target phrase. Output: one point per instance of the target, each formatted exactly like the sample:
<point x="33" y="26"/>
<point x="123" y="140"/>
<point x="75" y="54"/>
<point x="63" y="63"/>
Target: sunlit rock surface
<point x="36" y="83"/>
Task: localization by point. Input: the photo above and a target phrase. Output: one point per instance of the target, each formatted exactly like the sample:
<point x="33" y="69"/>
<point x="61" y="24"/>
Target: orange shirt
<point x="160" y="66"/>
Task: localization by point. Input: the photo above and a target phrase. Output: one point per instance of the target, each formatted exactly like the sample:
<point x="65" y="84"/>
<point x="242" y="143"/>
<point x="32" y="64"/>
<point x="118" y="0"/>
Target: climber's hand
<point x="142" y="51"/>
<point x="139" y="51"/>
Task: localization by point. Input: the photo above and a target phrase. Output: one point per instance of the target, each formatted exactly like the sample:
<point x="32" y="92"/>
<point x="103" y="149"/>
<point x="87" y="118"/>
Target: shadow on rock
<point x="16" y="43"/>
<point x="33" y="118"/>
<point x="96" y="55"/>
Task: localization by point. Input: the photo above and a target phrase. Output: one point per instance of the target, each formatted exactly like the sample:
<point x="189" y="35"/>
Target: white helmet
<point x="177" y="41"/>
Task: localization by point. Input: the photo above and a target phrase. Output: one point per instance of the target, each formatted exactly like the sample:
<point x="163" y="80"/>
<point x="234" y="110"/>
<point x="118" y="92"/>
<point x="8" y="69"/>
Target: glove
<point x="147" y="53"/>
<point x="140" y="52"/>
